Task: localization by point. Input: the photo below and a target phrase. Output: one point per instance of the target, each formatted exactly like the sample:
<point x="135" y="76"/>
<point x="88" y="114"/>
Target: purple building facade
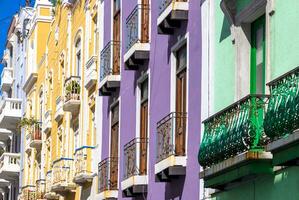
<point x="150" y="85"/>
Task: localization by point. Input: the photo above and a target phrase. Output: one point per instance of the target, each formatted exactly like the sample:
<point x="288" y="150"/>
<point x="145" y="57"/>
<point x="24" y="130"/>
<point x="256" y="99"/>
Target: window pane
<point x="116" y="5"/>
<point x="182" y="57"/>
<point x="144" y="90"/>
<point x="259" y="60"/>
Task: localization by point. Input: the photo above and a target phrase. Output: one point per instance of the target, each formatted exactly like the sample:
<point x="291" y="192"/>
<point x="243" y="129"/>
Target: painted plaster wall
<point x="223" y="85"/>
<point x="284" y="41"/>
<point x="279" y="186"/>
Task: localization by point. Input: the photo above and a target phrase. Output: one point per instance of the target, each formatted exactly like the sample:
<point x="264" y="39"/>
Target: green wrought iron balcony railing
<point x="234" y="130"/>
<point x="282" y="116"/>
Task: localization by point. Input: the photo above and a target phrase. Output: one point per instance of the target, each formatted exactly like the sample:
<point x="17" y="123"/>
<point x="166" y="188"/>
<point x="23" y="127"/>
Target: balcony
<point x="36" y="136"/>
<point x="63" y="174"/>
<point x="137" y="47"/>
<point x="135" y="168"/>
<point x="30" y="81"/>
<point x="110" y="68"/>
<point x="10" y="165"/>
<point x="281" y="120"/>
<point x="47" y="126"/>
<point x="72" y="94"/>
<point x="10" y="113"/>
<point x="48" y="193"/>
<point x="90" y="72"/>
<point x="233" y="143"/>
<point x="59" y="109"/>
<point x="171" y="155"/>
<point x="172" y="13"/>
<point x="83" y="168"/>
<point x="40" y="188"/>
<point x="6" y="79"/>
<point x="108" y="178"/>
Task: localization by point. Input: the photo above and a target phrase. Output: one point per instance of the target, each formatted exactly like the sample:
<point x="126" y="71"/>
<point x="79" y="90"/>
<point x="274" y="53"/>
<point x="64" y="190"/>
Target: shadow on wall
<point x="174" y="189"/>
<point x="85" y="192"/>
<point x="225" y="30"/>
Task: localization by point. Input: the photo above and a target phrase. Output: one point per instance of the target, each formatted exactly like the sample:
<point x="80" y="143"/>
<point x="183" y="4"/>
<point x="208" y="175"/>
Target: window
<point x="257" y="71"/>
<point x="95" y="35"/>
<point x="76" y="132"/>
<point x="41" y="103"/>
<point x="143" y="126"/>
<point x="116" y="37"/>
<point x="114" y="145"/>
<point x="116" y="6"/>
<point x="181" y="98"/>
<point x="78" y="57"/>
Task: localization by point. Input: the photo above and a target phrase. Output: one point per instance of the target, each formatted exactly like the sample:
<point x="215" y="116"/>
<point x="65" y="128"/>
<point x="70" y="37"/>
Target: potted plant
<point x="73" y="90"/>
<point x="31" y="125"/>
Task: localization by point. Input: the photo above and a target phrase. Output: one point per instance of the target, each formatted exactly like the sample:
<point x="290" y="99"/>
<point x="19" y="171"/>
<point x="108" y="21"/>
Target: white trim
<point x="108" y="194"/>
<point x="169" y="162"/>
<point x="134" y="180"/>
<point x="136" y="47"/>
<point x="109" y="78"/>
<point x="171" y="7"/>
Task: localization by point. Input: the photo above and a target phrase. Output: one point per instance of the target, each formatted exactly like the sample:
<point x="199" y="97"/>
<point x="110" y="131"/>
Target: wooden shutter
<point x="145" y="21"/>
<point x="116" y="38"/>
<point x="181" y="88"/>
<point x="143" y="127"/>
<point x="114" y="147"/>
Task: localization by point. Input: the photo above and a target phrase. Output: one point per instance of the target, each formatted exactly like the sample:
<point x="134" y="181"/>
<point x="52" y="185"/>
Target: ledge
<point x="30" y="82"/>
<point x="285" y="150"/>
<point x="237" y="169"/>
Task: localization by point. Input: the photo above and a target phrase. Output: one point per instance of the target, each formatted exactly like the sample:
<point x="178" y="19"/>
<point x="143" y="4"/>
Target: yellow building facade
<point x="60" y="109"/>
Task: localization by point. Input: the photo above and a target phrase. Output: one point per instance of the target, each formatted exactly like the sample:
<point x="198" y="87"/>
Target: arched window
<point x="78" y="57"/>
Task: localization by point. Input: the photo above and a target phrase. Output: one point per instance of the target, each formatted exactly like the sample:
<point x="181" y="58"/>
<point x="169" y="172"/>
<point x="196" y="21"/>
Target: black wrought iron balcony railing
<point x="165" y="3"/>
<point x="108" y="174"/>
<point x="72" y="88"/>
<point x="135" y="158"/>
<point x="137" y="25"/>
<point x="282" y="116"/>
<point x="110" y="60"/>
<point x="171" y="135"/>
<point x="234" y="130"/>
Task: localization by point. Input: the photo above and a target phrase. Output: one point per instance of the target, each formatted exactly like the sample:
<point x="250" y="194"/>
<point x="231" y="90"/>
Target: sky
<point x="7" y="9"/>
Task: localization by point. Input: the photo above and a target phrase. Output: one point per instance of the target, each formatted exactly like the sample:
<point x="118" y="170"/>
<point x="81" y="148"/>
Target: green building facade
<point x="250" y="108"/>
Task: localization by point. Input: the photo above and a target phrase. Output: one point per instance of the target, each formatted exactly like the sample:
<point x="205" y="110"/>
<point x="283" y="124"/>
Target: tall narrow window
<point x="76" y="133"/>
<point x="78" y="57"/>
<point x="257" y="71"/>
<point x="181" y="57"/>
<point x="41" y="102"/>
<point x="95" y="34"/>
<point x="114" y="146"/>
<point x="116" y="36"/>
<point x="143" y="126"/>
<point x="145" y="21"/>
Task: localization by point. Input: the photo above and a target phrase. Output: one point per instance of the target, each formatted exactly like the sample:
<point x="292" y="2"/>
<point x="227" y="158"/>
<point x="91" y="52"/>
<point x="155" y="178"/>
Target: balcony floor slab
<point x="238" y="168"/>
<point x="285" y="150"/>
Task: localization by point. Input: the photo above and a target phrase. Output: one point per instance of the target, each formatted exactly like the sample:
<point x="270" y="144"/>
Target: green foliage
<point x="27" y="123"/>
<point x="73" y="87"/>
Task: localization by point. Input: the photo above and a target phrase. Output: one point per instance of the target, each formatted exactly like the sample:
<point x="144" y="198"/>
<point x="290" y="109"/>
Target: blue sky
<point x="7" y="9"/>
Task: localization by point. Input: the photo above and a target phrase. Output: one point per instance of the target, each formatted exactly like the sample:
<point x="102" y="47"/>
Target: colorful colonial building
<point x="150" y="69"/>
<point x="249" y="147"/>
